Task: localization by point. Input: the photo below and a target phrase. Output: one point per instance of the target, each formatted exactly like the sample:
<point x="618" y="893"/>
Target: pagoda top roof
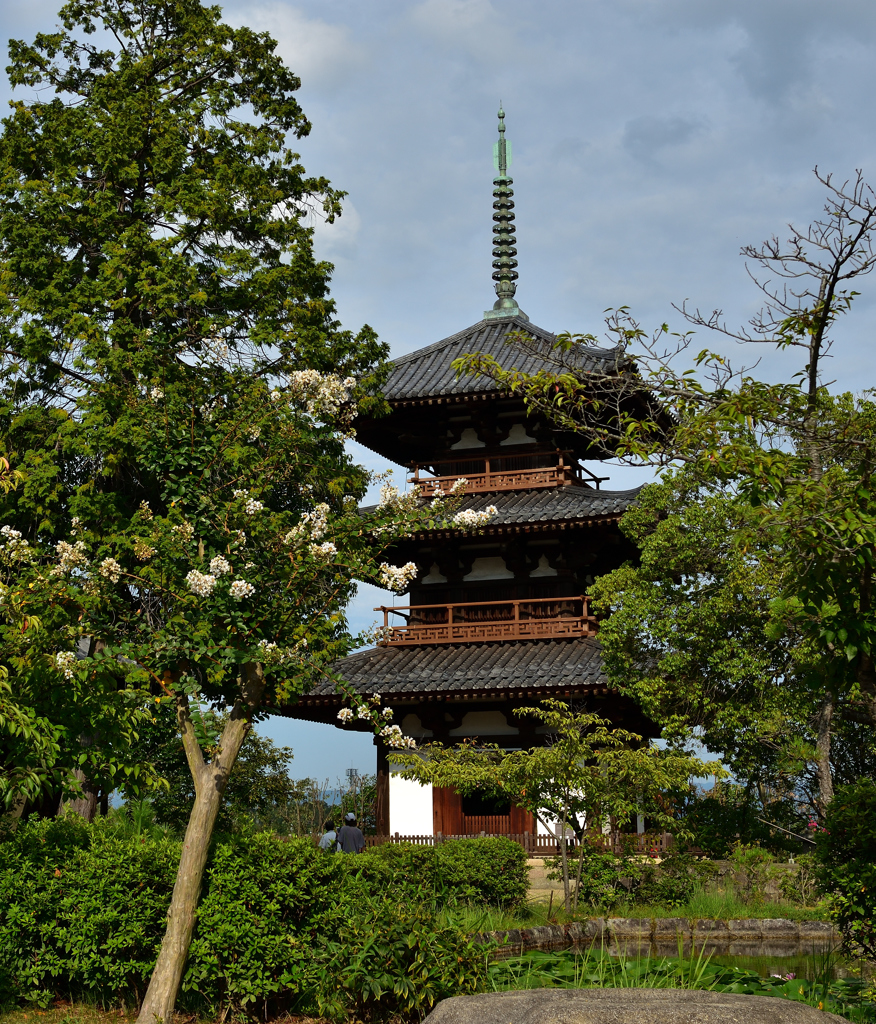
<point x="466" y="670"/>
<point x="427" y="373"/>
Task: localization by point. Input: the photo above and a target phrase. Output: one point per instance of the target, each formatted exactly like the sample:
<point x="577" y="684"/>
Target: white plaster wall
<point x="410" y="807"/>
<point x="485" y="723"/>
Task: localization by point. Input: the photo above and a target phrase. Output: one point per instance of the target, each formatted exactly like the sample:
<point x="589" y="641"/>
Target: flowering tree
<point x="176" y="394"/>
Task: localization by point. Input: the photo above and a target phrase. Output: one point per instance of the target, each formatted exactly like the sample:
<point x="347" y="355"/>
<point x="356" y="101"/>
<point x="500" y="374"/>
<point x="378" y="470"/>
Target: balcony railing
<point x="479" y="621"/>
<point x="502" y="473"/>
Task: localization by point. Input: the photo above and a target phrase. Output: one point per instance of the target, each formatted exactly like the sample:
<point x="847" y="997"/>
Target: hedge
<point x="281" y="925"/>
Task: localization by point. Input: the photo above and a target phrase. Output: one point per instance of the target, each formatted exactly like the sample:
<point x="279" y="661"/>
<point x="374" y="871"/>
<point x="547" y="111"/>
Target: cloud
<point x="321" y="54"/>
<point x="647" y="136"/>
<point x="474" y="26"/>
<point x="339" y="239"/>
<point x="776" y="47"/>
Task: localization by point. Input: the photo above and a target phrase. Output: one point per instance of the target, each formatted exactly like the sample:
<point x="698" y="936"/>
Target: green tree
<point x="797" y="455"/>
<point x="176" y="392"/>
<point x="691" y="633"/>
<point x="587" y="774"/>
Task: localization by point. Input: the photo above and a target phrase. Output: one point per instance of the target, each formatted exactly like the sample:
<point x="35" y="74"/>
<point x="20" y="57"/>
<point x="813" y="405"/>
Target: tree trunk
<point x="567" y="897"/>
<point x="86" y="805"/>
<point x="210" y="782"/>
<point x="578" y="872"/>
<point x="822" y="752"/>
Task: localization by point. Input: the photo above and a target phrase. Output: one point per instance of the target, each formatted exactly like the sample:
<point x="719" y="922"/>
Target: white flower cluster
<point x="200" y="583"/>
<point x="241" y="589"/>
<point x="380" y="634"/>
<point x="468" y="519"/>
<point x="372" y="712"/>
<point x="70" y="556"/>
<point x="143" y="551"/>
<point x="323" y="394"/>
<point x="219" y="566"/>
<point x="390" y="499"/>
<point x="156" y="394"/>
<point x="312" y="525"/>
<point x="252" y="505"/>
<point x="324" y="551"/>
<point x="459" y="485"/>
<point x="13" y="544"/>
<point x="396" y="578"/>
<point x="388" y="495"/>
<point x="64" y="661"/>
<point x="185" y="531"/>
<point x="110" y="570"/>
<point x="394" y="738"/>
<point x="144" y="510"/>
<point x="272" y="654"/>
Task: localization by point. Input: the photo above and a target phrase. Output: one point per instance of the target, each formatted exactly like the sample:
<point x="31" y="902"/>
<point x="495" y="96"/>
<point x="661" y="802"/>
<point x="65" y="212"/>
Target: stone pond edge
<point x="666" y="934"/>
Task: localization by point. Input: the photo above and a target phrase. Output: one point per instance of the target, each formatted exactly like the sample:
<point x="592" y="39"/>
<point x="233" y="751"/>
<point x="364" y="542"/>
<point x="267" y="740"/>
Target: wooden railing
<point x="476" y="621"/>
<point x="497" y="475"/>
<point x="643" y="844"/>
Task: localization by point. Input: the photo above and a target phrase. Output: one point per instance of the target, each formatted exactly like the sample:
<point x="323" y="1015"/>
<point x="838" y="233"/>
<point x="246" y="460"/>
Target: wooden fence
<point x="645" y="844"/>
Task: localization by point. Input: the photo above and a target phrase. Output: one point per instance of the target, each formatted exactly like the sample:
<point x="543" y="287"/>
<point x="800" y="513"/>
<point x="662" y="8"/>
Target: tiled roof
<point x="549" y="504"/>
<point x="426" y="373"/>
<point x="470" y="668"/>
<point x="552" y="504"/>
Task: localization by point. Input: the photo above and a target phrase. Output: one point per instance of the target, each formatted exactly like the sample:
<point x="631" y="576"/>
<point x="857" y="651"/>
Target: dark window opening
<point x="481" y="806"/>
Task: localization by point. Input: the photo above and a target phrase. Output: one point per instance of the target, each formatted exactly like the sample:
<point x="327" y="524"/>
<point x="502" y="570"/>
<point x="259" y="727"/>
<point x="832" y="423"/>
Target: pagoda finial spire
<point x="504" y="240"/>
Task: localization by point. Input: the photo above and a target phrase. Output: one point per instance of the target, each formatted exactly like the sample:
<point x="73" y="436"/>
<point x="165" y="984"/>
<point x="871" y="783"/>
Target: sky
<point x="651" y="140"/>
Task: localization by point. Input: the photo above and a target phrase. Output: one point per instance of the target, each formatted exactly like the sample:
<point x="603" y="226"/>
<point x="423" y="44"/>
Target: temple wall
<point x="410" y="807"/>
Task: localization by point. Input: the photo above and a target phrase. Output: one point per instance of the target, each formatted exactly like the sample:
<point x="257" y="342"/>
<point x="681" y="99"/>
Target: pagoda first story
<point x="499" y="618"/>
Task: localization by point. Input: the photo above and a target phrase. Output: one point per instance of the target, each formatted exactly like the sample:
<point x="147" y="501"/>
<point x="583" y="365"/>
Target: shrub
<point x="846" y="866"/>
<point x="754" y="871"/>
<point x="281" y="926"/>
<point x="393" y="958"/>
<point x="490" y="870"/>
<point x="801" y="886"/>
<point x="82" y="909"/>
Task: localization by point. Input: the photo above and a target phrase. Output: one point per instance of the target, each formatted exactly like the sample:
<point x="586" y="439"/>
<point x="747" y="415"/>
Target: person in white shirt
<point x="330" y="839"/>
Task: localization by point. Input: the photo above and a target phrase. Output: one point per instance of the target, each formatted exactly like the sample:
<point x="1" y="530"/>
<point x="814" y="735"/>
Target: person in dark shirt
<point x="350" y="838"/>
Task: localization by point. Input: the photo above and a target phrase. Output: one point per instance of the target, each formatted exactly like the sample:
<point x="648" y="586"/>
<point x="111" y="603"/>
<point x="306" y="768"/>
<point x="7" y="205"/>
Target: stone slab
<point x="746" y="928"/>
<point x="621" y="927"/>
<point x="624" y="1006"/>
<point x="714" y="928"/>
<point x="667" y="927"/>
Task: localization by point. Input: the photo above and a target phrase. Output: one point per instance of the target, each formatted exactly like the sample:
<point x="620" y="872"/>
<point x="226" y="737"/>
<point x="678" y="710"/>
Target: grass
<point x="83" y="1013"/>
<point x="67" y="1013"/>
<point x="716" y="903"/>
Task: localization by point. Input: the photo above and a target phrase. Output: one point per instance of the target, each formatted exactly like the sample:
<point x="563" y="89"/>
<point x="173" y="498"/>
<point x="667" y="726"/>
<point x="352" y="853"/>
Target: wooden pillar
<point x="381" y="801"/>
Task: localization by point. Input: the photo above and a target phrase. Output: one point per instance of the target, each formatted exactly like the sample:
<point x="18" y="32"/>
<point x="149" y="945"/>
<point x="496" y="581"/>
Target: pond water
<point x="811" y="967"/>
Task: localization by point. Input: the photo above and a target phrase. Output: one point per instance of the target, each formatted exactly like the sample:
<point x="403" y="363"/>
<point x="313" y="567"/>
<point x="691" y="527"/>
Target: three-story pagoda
<point x="498" y="618"/>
